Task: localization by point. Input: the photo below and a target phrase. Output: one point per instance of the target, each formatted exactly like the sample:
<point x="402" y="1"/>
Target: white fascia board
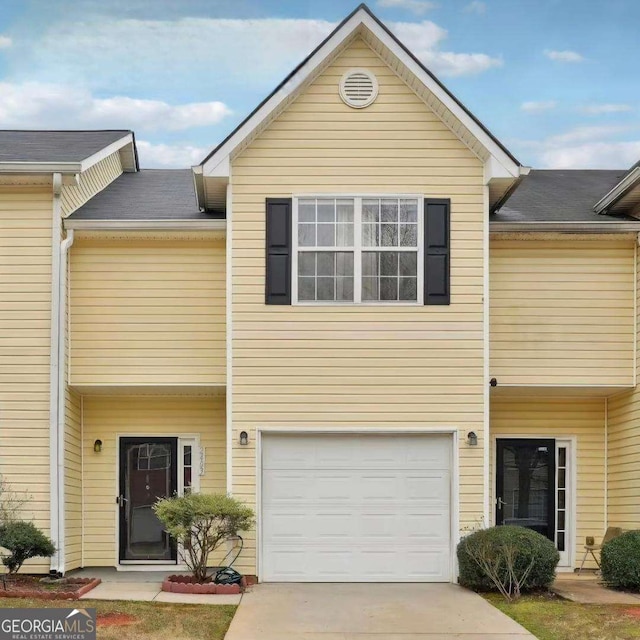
<point x="106" y="151"/>
<point x="361" y="17"/>
<point x="565" y="227"/>
<point x="40" y="167"/>
<point x="619" y="190"/>
<point x="145" y="225"/>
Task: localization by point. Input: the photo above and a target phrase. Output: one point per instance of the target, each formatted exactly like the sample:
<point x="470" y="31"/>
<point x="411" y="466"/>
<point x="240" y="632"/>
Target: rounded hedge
<point x="494" y="543"/>
<point x="621" y="562"/>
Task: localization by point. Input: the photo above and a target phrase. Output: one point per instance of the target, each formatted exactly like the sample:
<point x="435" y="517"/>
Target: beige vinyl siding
<point x="624" y="456"/>
<point x="148" y="312"/>
<point x="357" y="366"/>
<point x="91" y="181"/>
<point x="25" y="335"/>
<point x="562" y="312"/>
<point x="73" y="481"/>
<point x="105" y="418"/>
<point x="583" y="418"/>
<point x="624" y="460"/>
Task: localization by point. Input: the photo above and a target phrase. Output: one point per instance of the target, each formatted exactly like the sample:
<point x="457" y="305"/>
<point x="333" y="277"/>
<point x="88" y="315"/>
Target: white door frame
<point x="372" y="430"/>
<point x="192" y="439"/>
<point x="567" y="558"/>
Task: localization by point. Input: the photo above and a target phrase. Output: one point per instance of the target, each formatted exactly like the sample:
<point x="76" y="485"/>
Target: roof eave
<point x="565" y="227"/>
<point x="624" y="186"/>
<point x="145" y="225"/>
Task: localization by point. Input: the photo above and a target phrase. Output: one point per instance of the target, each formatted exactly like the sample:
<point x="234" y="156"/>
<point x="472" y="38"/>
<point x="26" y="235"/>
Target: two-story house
<point x="360" y="314"/>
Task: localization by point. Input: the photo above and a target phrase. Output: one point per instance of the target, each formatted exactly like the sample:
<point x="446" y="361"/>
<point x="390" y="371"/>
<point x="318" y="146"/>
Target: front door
<point x="148" y="471"/>
<point x="526" y="484"/>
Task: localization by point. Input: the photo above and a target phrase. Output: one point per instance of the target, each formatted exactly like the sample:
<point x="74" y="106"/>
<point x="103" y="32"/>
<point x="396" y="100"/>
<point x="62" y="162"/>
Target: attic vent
<point x="358" y="88"/>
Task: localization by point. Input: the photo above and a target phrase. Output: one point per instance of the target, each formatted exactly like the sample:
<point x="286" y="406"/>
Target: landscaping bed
<point x="25" y="586"/>
<point x="189" y="584"/>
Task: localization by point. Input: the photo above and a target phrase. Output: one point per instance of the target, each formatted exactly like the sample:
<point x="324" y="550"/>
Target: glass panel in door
<point x="525" y="484"/>
<point x="148" y="472"/>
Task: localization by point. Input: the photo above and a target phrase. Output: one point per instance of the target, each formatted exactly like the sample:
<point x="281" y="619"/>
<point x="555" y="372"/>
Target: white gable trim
<point x="618" y="191"/>
<point x="499" y="163"/>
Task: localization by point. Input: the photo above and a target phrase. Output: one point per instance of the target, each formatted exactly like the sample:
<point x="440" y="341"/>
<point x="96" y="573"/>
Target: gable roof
<point x="148" y="195"/>
<point x="500" y="162"/>
<point x="559" y="195"/>
<point x="64" y="151"/>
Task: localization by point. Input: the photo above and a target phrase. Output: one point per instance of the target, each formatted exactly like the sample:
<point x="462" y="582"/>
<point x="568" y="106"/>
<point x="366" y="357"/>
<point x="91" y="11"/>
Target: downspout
<point x="65" y="246"/>
<point x="56" y="233"/>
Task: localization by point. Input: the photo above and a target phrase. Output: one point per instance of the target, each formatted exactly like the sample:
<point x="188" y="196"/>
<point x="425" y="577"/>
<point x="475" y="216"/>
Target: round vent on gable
<point x="358" y="88"/>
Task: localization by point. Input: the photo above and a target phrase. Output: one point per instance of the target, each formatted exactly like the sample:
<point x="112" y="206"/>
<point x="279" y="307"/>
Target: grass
<point x="153" y="619"/>
<point x="552" y="618"/>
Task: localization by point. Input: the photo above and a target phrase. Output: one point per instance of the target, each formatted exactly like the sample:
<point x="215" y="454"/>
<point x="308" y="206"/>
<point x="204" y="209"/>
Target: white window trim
<point x="357" y="252"/>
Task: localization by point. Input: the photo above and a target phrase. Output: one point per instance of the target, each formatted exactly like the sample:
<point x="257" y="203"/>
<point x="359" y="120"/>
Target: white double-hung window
<point x="357" y="249"/>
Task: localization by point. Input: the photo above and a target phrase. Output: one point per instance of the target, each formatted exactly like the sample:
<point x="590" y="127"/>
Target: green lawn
<point x="151" y="619"/>
<point x="550" y="618"/>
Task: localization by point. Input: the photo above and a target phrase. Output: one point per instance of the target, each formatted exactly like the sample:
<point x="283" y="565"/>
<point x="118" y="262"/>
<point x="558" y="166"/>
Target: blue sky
<point x="555" y="80"/>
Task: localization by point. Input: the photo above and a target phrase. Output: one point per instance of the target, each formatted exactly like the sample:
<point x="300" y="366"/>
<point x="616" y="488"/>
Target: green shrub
<point x="621" y="562"/>
<point x="508" y="559"/>
<point x="201" y="522"/>
<point x="23" y="540"/>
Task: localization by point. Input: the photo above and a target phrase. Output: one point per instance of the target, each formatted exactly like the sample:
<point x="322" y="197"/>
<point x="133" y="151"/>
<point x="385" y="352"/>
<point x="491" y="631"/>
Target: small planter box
<point x="187" y="584"/>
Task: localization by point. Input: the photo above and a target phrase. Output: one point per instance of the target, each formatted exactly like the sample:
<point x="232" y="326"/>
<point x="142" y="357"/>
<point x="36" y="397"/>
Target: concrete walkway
<point x="142" y="586"/>
<point x="587" y="589"/>
<point x="369" y="612"/>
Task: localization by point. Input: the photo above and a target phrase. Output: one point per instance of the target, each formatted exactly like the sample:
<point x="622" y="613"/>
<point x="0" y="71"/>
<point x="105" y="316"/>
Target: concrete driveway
<point x="369" y="611"/>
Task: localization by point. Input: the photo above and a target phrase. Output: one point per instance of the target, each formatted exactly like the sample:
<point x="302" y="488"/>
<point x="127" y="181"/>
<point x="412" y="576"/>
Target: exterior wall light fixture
<point x="97" y="446"/>
<point x="472" y="439"/>
<point x="244" y="438"/>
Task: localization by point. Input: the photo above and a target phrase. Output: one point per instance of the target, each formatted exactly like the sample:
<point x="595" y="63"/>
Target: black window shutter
<point x="437" y="240"/>
<point x="278" y="251"/>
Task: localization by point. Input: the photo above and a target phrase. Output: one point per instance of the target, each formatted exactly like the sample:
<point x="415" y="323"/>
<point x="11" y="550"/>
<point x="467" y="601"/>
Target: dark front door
<point x="148" y="471"/>
<point x="525" y="484"/>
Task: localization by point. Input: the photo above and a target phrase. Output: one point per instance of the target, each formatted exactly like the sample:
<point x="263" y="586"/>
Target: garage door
<point x="356" y="508"/>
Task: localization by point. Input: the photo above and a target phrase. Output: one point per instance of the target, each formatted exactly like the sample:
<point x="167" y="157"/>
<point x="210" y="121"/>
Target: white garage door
<point x="356" y="508"/>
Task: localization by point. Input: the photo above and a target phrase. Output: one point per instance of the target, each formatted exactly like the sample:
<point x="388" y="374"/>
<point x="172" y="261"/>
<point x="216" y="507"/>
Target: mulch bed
<point x="24" y="586"/>
<point x="187" y="584"/>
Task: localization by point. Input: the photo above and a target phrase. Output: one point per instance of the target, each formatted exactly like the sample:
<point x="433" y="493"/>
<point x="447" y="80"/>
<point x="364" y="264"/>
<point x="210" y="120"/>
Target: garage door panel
<point x="356" y="508"/>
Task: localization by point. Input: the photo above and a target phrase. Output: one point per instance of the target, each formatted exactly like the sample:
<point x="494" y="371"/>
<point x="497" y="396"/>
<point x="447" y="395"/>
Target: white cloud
<point x="203" y="54"/>
<point x="564" y="56"/>
<point x="424" y="39"/>
<point x="5" y="42"/>
<point x="419" y="7"/>
<point x="600" y="109"/>
<point x="586" y="147"/>
<point x="538" y="107"/>
<point x="593" y="155"/>
<point x="162" y="156"/>
<point x="476" y="7"/>
<point x="52" y="105"/>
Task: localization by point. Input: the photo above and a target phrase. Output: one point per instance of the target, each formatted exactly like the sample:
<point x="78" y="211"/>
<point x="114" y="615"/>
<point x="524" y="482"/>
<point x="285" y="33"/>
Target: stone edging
<point x="80" y="590"/>
<point x="185" y="584"/>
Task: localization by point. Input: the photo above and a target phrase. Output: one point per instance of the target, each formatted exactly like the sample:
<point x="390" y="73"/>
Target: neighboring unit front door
<point x="526" y="484"/>
<point x="148" y="471"/>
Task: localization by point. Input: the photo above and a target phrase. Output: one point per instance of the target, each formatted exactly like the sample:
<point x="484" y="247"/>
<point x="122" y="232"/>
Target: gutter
<point x="65" y="246"/>
<point x="565" y="227"/>
<point x="57" y="399"/>
<point x="54" y="373"/>
<point x="216" y="224"/>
